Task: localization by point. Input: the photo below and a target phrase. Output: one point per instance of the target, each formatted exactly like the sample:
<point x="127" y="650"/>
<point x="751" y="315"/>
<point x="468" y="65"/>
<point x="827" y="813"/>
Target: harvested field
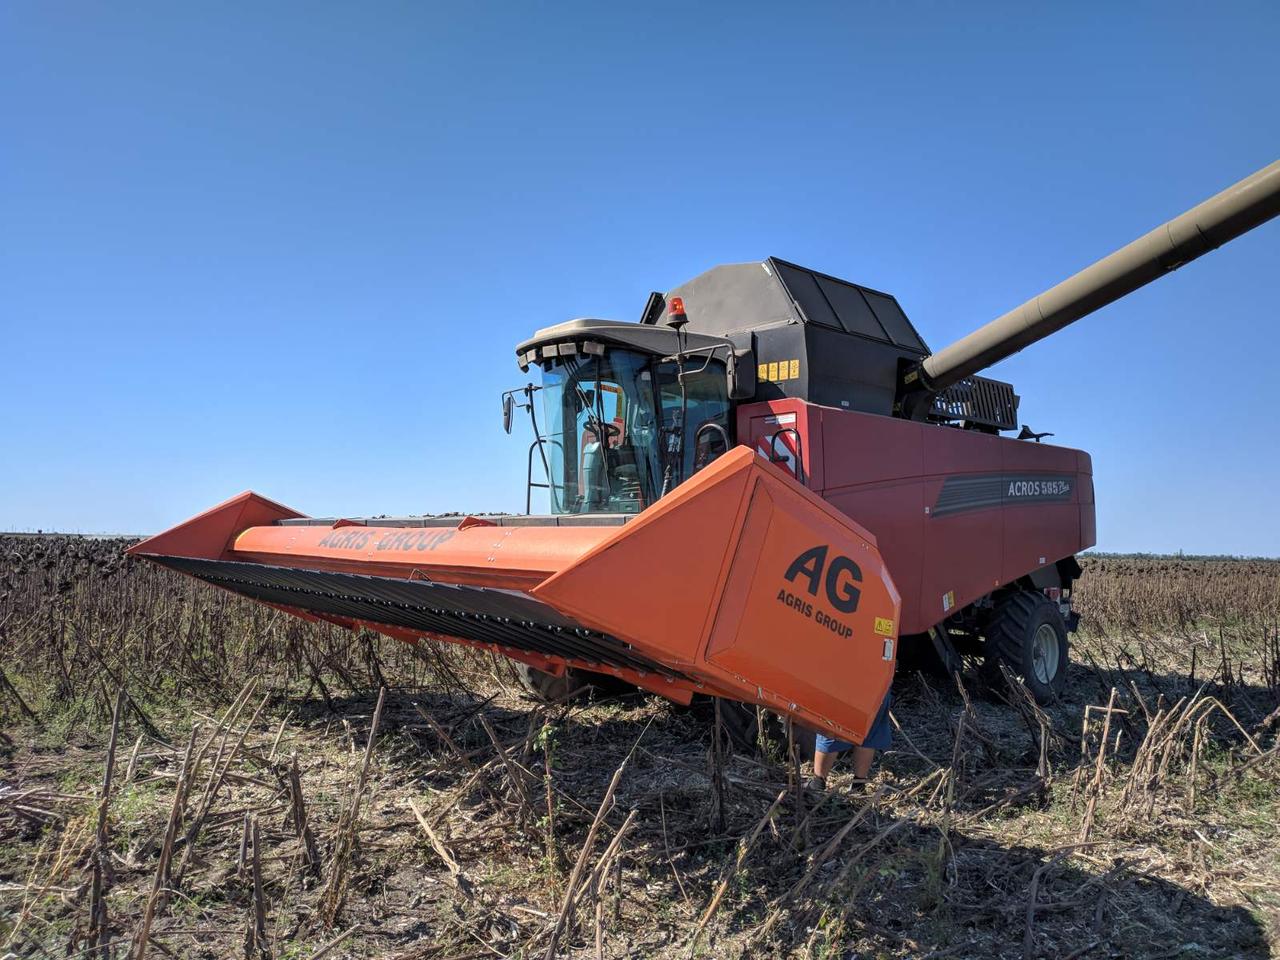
<point x="186" y="774"/>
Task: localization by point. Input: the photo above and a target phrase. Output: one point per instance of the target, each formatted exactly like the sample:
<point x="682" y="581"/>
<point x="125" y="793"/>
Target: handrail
<point x="529" y="484"/>
<point x="773" y="451"/>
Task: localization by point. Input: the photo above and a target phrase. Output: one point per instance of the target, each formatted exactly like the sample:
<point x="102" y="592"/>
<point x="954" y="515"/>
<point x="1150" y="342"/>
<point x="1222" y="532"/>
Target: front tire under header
<point x="754" y="731"/>
<point x="547" y="687"/>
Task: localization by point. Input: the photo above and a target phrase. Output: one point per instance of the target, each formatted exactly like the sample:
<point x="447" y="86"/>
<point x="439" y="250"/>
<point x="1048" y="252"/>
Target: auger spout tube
<point x="1236" y="210"/>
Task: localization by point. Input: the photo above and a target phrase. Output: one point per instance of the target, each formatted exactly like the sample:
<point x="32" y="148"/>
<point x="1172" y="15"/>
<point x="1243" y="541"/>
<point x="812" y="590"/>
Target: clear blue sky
<point x="290" y="247"/>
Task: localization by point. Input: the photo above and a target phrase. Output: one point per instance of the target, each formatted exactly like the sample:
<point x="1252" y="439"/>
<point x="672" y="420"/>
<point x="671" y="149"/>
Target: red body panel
<point x="890" y="475"/>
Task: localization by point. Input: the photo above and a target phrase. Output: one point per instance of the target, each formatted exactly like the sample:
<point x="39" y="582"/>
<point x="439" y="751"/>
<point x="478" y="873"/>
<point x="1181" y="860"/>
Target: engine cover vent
<point x="978" y="400"/>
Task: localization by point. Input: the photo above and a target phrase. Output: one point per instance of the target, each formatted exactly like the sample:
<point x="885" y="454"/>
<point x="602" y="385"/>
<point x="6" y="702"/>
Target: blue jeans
<point x="879" y="737"/>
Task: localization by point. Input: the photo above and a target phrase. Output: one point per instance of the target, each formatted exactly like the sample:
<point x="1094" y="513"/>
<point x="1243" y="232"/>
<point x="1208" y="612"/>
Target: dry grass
<point x="254" y="811"/>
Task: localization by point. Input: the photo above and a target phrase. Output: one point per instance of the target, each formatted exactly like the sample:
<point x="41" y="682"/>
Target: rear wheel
<point x="1027" y="634"/>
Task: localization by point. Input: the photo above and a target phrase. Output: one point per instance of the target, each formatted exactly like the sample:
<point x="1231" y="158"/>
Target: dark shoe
<point x="816" y="784"/>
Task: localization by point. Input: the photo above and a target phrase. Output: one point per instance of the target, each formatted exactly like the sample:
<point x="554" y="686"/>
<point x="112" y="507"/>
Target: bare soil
<point x="253" y="810"/>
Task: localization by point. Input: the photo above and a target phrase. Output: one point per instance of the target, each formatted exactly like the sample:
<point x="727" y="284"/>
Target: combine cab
<point x="753" y="493"/>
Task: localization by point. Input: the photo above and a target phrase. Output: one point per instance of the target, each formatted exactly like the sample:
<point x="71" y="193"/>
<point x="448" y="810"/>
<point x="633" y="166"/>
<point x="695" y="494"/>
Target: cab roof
<point x="591" y="336"/>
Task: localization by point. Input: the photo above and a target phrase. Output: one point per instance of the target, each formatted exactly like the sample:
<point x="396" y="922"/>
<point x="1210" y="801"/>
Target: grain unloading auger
<point x="754" y="500"/>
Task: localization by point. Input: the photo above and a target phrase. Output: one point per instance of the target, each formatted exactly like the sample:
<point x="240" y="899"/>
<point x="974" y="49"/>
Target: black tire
<point x="547" y="687"/>
<point x="931" y="653"/>
<point x="1027" y="634"/>
<point x="741" y="724"/>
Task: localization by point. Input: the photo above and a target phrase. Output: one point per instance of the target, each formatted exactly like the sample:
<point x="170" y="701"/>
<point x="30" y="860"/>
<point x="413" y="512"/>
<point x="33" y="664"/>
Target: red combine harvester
<point x="754" y="498"/>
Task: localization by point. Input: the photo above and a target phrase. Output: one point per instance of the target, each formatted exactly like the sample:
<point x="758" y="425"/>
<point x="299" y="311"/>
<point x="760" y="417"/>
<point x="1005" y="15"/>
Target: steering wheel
<point x="611" y="430"/>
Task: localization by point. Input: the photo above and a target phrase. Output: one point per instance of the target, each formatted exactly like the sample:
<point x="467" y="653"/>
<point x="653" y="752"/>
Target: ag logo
<point x="841" y="575"/>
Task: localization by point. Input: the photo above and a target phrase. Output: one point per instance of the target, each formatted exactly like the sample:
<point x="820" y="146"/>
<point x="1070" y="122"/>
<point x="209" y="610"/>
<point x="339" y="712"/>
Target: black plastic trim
<point x="482" y="614"/>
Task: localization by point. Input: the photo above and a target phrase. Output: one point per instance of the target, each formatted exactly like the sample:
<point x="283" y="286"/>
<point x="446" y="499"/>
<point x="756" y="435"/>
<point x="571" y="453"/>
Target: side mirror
<point x="508" y="409"/>
<point x="740" y="372"/>
<point x="653" y="308"/>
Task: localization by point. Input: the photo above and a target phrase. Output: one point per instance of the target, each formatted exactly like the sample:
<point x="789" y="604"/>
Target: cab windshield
<point x="620" y="431"/>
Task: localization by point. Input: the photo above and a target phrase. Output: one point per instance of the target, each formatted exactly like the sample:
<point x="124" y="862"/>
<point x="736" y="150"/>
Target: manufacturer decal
<point x="813" y="574"/>
<point x="780" y="419"/>
<point x="1037" y="488"/>
<point x="402" y="540"/>
<point x="976" y="492"/>
<point x="346" y="539"/>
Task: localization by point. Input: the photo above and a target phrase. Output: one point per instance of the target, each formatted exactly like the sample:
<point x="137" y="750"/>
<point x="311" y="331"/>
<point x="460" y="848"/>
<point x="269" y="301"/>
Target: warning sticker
<point x="884" y="626"/>
<point x="779" y="371"/>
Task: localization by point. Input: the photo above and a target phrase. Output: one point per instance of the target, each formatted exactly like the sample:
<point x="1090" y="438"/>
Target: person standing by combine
<point x="827" y="750"/>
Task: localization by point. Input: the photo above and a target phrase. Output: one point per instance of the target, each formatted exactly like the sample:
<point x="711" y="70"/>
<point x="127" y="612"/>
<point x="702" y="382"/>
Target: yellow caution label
<point x="884" y="626"/>
<point x="779" y="370"/>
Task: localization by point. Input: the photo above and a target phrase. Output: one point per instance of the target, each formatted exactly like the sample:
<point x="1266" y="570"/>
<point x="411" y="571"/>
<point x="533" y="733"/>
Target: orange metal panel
<point x="478" y="554"/>
<point x="783" y="621"/>
<point x="657" y="575"/>
<point x="750" y="583"/>
<point x="209" y="534"/>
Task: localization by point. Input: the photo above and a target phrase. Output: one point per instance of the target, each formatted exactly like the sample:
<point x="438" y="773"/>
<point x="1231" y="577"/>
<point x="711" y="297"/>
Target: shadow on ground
<point x="989" y="868"/>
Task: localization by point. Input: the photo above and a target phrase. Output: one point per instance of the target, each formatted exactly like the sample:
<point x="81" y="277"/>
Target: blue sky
<point x="290" y="247"/>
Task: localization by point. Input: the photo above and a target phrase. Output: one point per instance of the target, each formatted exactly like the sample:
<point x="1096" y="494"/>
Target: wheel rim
<point x="1044" y="653"/>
